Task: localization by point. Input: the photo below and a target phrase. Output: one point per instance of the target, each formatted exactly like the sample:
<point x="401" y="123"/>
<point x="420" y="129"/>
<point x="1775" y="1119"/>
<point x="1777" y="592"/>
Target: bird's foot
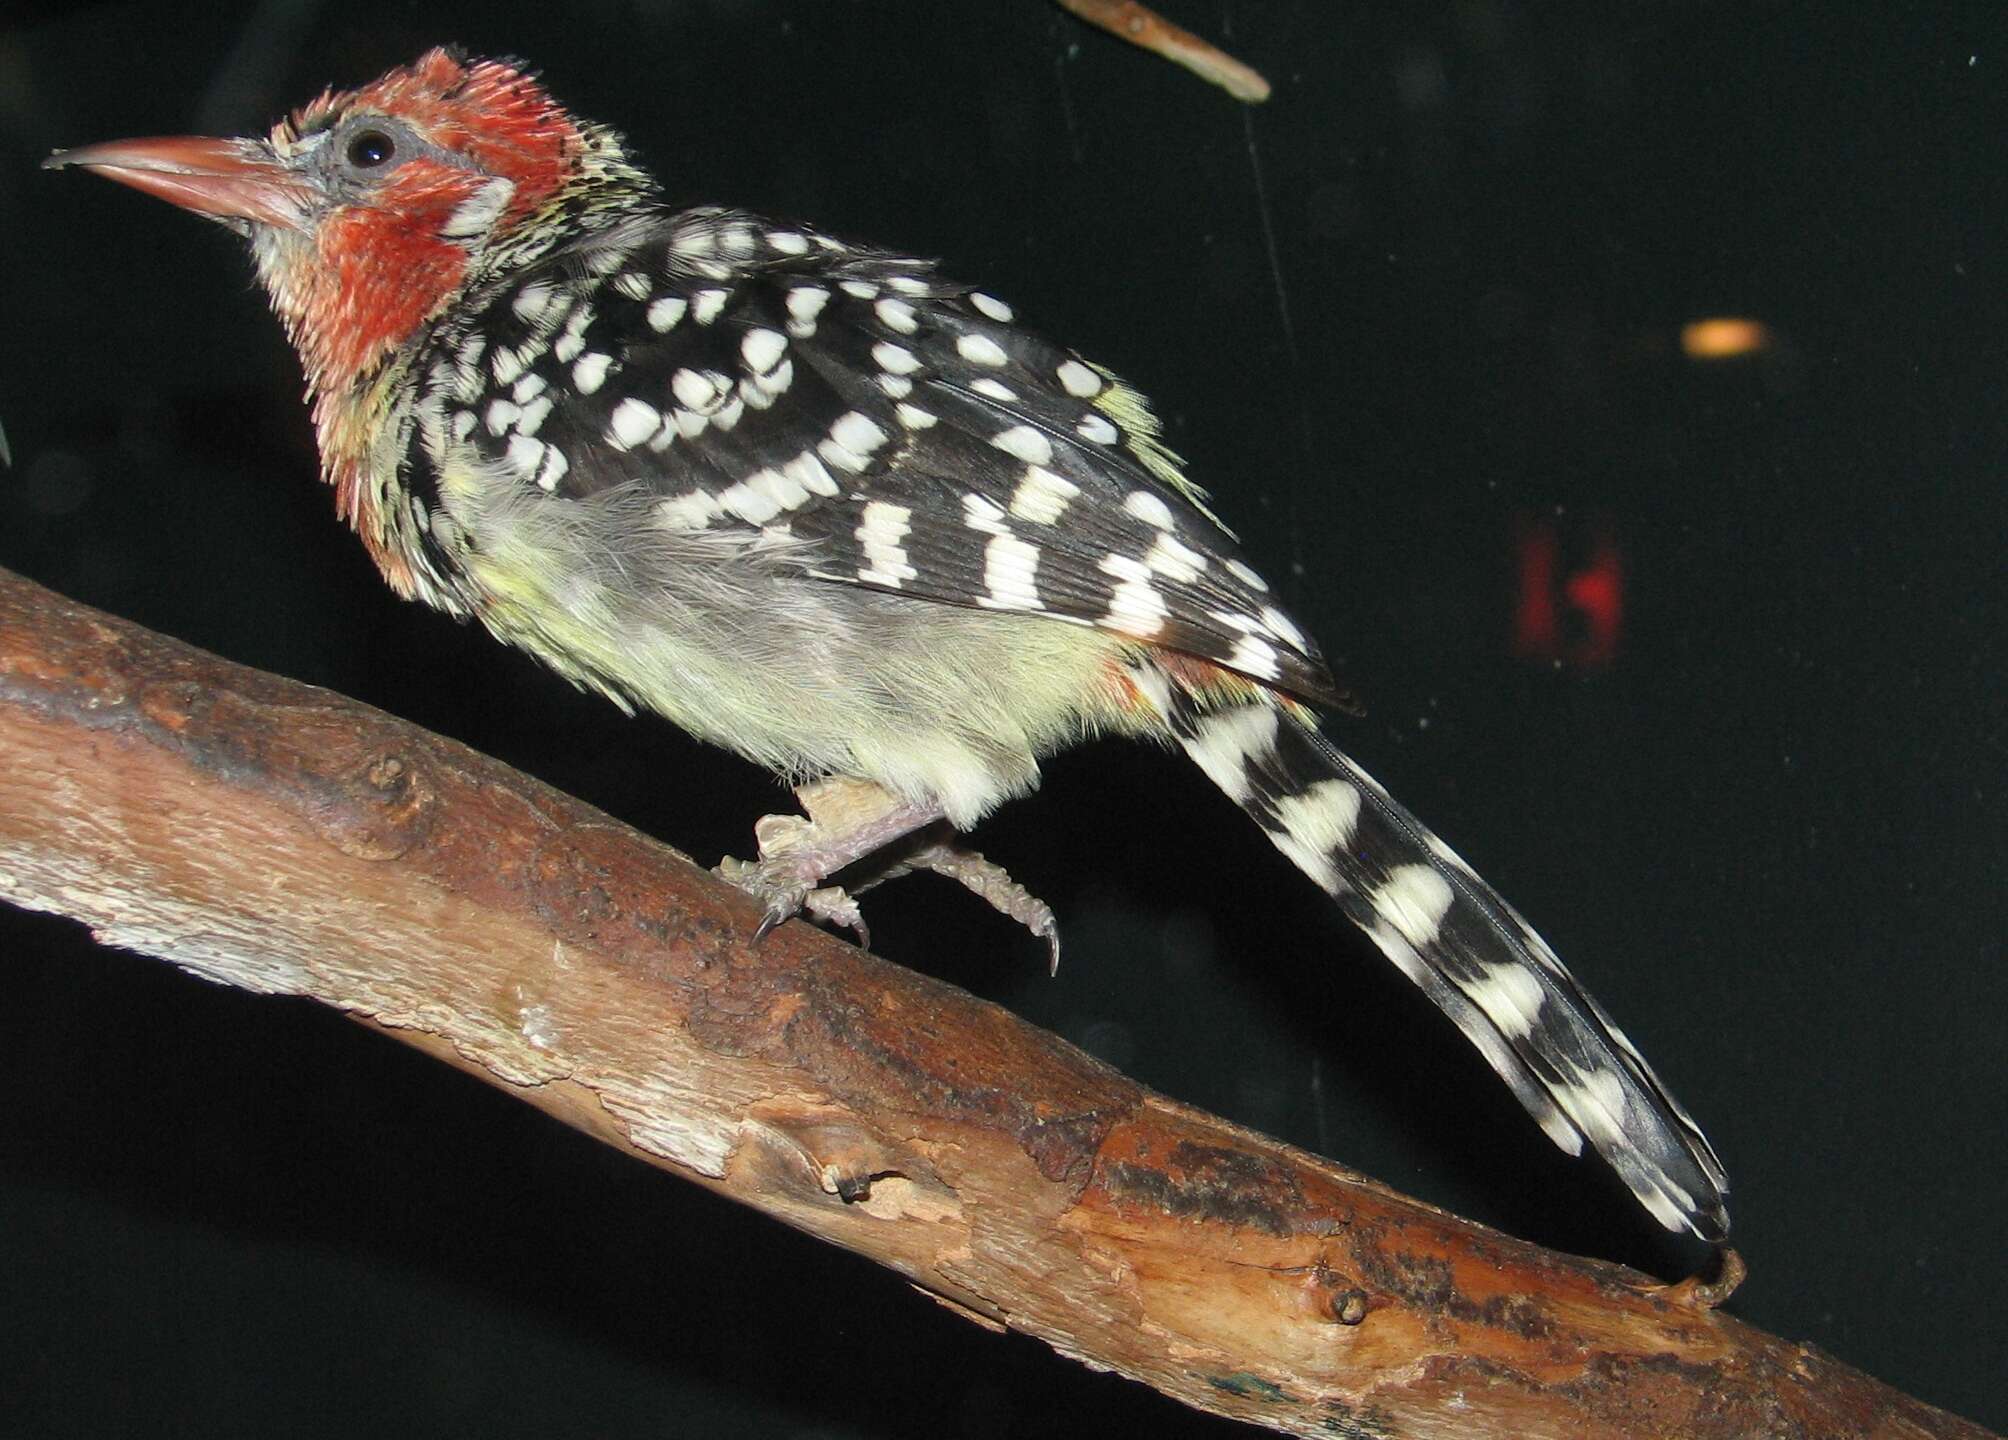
<point x="857" y="823"/>
<point x="848" y="820"/>
<point x="786" y="892"/>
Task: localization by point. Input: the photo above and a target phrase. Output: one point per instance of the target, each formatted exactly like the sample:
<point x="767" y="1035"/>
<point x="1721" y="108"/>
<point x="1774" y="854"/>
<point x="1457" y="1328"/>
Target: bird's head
<point x="369" y="209"/>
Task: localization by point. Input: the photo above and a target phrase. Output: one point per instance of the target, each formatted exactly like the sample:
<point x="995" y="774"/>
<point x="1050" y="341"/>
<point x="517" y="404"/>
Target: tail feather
<point x="1468" y="950"/>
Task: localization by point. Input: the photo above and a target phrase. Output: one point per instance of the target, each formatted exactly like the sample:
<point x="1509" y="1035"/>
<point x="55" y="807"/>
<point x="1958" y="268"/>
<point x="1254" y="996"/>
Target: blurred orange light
<point x="1723" y="337"/>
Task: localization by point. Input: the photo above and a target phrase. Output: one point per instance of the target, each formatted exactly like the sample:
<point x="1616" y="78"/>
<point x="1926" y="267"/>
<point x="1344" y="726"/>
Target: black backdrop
<point x="1414" y="320"/>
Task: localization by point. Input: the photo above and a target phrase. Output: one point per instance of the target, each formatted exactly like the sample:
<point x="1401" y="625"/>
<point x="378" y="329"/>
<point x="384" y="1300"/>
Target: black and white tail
<point x="1471" y="953"/>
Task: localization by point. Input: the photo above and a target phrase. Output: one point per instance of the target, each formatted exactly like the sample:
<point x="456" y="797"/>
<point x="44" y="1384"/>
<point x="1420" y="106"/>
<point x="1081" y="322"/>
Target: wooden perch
<point x="277" y="837"/>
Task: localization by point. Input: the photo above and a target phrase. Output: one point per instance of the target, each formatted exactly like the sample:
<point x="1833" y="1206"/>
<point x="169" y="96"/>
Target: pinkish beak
<point x="229" y="179"/>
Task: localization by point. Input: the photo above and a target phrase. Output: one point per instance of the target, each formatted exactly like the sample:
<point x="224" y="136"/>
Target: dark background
<point x="1421" y="309"/>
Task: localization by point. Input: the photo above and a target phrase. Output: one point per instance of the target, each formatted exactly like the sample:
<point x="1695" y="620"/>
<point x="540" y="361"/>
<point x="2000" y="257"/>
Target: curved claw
<point x="775" y="916"/>
<point x="833" y="905"/>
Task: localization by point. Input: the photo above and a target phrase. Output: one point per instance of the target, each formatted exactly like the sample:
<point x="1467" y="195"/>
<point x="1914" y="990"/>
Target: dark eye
<point x="369" y="149"/>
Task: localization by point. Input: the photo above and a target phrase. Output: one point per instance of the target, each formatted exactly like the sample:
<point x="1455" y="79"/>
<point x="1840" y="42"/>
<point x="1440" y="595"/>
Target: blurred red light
<point x="1589" y="634"/>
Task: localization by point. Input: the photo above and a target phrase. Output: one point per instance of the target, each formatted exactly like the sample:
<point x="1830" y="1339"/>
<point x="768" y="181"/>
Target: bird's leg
<point x="854" y="820"/>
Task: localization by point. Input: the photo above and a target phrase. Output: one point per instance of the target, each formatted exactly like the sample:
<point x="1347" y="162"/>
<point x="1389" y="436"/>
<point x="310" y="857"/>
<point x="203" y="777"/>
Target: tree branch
<point x="273" y="836"/>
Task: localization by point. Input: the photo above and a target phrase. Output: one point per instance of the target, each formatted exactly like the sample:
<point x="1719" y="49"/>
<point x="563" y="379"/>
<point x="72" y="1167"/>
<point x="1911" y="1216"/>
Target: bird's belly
<point x="807" y="677"/>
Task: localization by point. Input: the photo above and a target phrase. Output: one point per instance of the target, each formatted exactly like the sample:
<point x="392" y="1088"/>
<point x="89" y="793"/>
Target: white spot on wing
<point x="632" y="422"/>
<point x="1098" y="429"/>
<point x="762" y="349"/>
<point x="1664" y="1207"/>
<point x="1009" y="565"/>
<point x="1026" y="443"/>
<point x="507" y="364"/>
<point x="806" y="468"/>
<point x="590" y="371"/>
<point x="525" y="454"/>
<point x="1596" y="1102"/>
<point x="762" y="495"/>
<point x="1236" y="620"/>
<point x="1247" y="576"/>
<point x="1254" y="656"/>
<point x="692" y="510"/>
<point x="1135" y="606"/>
<point x="533" y="415"/>
<point x="1042" y="497"/>
<point x="853" y="438"/>
<point x="553" y="469"/>
<point x="693" y="388"/>
<point x="881" y="532"/>
<point x="805" y="303"/>
<point x="569" y="344"/>
<point x="707" y="304"/>
<point x="990" y="305"/>
<point x="896" y="315"/>
<point x="531" y="302"/>
<point x="980" y="512"/>
<point x="1079" y="380"/>
<point x="980" y="350"/>
<point x="663" y="314"/>
<point x="1285" y="629"/>
<point x="694" y="239"/>
<point x="760" y="391"/>
<point x="857" y="432"/>
<point x="894" y="359"/>
<point x="1149" y="507"/>
<point x="1174" y="559"/>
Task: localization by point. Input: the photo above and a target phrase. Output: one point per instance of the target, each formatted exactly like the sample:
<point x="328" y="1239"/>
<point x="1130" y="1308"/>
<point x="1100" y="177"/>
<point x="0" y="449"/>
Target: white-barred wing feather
<point x="905" y="428"/>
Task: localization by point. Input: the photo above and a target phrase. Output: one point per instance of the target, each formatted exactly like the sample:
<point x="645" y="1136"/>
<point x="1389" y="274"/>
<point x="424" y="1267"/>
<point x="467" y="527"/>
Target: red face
<point x="367" y="205"/>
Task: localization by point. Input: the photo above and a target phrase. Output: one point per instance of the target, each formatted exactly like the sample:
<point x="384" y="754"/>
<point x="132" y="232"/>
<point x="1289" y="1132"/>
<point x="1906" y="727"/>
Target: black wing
<point x="764" y="377"/>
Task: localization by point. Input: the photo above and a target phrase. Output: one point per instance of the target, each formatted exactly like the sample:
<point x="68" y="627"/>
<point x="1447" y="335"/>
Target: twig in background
<point x="1142" y="26"/>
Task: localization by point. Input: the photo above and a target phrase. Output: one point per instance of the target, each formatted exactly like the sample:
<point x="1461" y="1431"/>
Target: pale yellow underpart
<point x="934" y="702"/>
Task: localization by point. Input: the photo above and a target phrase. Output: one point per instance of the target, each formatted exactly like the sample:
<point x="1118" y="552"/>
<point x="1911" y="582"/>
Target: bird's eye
<point x="371" y="149"/>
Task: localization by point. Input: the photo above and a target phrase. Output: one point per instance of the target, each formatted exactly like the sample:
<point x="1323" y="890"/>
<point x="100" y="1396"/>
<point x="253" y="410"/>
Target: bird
<point x="820" y="504"/>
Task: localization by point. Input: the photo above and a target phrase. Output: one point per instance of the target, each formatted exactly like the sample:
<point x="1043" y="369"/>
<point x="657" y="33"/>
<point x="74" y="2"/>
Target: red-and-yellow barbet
<point x="829" y="508"/>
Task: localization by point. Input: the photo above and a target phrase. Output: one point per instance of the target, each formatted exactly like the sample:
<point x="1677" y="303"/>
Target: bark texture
<point x="273" y="836"/>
